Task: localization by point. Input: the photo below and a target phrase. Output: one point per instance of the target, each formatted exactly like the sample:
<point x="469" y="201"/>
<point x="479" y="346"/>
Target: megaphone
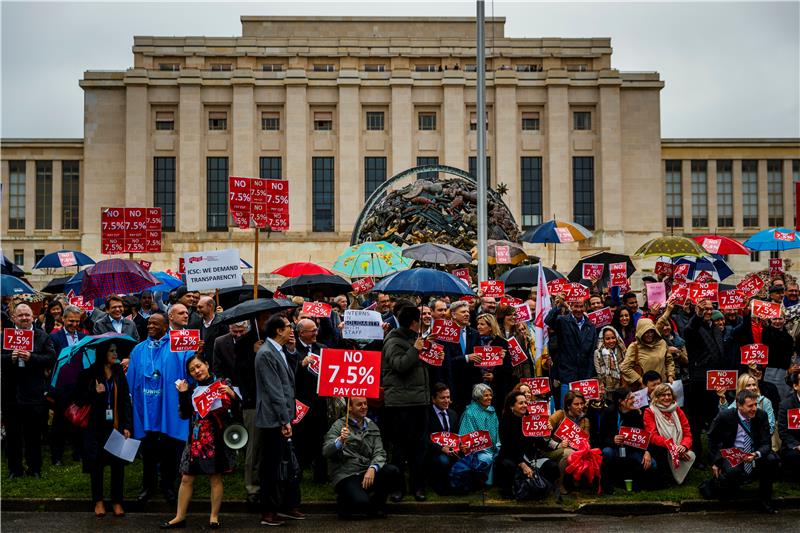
<point x="235" y="436"/>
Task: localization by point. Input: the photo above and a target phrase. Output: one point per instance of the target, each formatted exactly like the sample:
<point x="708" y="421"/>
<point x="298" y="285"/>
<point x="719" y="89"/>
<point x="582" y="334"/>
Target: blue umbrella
<point x="547" y="233"/>
<point x="12" y="285"/>
<point x="167" y="282"/>
<point x="74" y="283"/>
<point x="423" y="282"/>
<point x="773" y="239"/>
<point x="82" y="354"/>
<point x="714" y="265"/>
<point x="54" y="260"/>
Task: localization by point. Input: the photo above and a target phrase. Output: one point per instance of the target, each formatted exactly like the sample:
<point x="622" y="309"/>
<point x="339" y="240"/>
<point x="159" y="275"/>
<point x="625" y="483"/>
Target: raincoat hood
<point x="620" y="341"/>
<point x="643" y="326"/>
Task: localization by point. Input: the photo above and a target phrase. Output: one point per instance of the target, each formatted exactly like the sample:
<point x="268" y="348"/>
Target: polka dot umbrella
<point x="671" y="246"/>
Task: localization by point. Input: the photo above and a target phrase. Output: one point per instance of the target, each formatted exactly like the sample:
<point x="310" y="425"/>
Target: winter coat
<point x="576" y="346"/>
<point x="404" y="375"/>
<point x="653" y="356"/>
<point x="607" y="362"/>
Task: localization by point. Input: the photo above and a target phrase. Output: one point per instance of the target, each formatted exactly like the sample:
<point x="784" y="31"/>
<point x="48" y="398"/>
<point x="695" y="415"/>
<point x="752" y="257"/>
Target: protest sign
<point x="362" y="324"/>
<point x="721" y="378"/>
<point x="761" y="309"/>
<point x="130" y="230"/>
<point x="463" y="275"/>
<point x="564" y="235"/>
<point x="786" y="236"/>
<point x="490" y="356"/>
<point x="217" y="269"/>
<point x="207" y="398"/>
<point x="145" y="264"/>
<point x="313" y="366"/>
<point x="502" y="255"/>
<point x="346" y="373"/>
<point x="618" y="279"/>
<point x="704" y="277"/>
<point x="680" y="272"/>
<point x="679" y="294"/>
<point x="18" y="339"/>
<point x="432" y="353"/>
<point x="734" y="456"/>
<point x="575" y="292"/>
<point x="711" y="245"/>
<point x="731" y="300"/>
<point x="539" y="408"/>
<point x="751" y="285"/>
<point x="184" y="340"/>
<point x="663" y="268"/>
<point x="263" y="202"/>
<point x="363" y="285"/>
<point x="775" y="266"/>
<point x="536" y="425"/>
<point x="601" y="317"/>
<point x="640" y="399"/>
<point x="81" y="304"/>
<point x="522" y="313"/>
<point x="793" y="418"/>
<point x="656" y="293"/>
<point x="300" y="410"/>
<point x="590" y="388"/>
<point x="571" y="433"/>
<point x="67" y="259"/>
<point x="476" y="441"/>
<point x="703" y="291"/>
<point x="445" y="330"/>
<point x="593" y="271"/>
<point x="446" y="438"/>
<point x="510" y="300"/>
<point x="557" y="286"/>
<point x="518" y="355"/>
<point x="317" y="309"/>
<point x="757" y="354"/>
<point x="538" y="386"/>
<point x="493" y="288"/>
<point x="618" y="268"/>
<point x="635" y="437"/>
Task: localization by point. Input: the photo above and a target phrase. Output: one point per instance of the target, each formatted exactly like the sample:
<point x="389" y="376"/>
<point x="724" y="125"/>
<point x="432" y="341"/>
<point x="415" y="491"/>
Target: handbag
<point x="78" y="416"/>
<point x="531" y="488"/>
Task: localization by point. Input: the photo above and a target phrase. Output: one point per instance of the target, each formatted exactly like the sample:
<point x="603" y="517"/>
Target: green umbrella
<point x="375" y="259"/>
<point x="672" y="246"/>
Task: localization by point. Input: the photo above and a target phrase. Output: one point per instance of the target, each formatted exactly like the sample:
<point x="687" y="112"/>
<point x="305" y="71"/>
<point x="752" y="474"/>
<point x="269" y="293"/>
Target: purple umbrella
<point x="116" y="276"/>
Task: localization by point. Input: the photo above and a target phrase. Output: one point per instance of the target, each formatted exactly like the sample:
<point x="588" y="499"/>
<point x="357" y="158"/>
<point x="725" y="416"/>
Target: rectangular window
<point x="270" y="121"/>
<point x="165" y="120"/>
<point x="374" y="174"/>
<point x="423" y="161"/>
<point x="578" y="68"/>
<point x="774" y="254"/>
<point x="473" y="121"/>
<point x="270" y="168"/>
<point x="221" y="67"/>
<point x="374" y="120"/>
<point x="674" y="194"/>
<point x="325" y="67"/>
<point x="775" y="192"/>
<point x="583" y="191"/>
<point x="473" y="169"/>
<point x="38" y="255"/>
<point x="795" y="180"/>
<point x="272" y="67"/>
<point x="725" y="193"/>
<point x="371" y="67"/>
<point x="582" y="121"/>
<point x="750" y="193"/>
<point x="530" y="121"/>
<point x="529" y="68"/>
<point x="217" y="193"/>
<point x="169" y="67"/>
<point x="426" y="121"/>
<point x="70" y="194"/>
<point x="755" y="257"/>
<point x="323" y="121"/>
<point x="218" y="120"/>
<point x="531" y="169"/>
<point x="44" y="194"/>
<point x="322" y="183"/>
<point x="19" y="257"/>
<point x="164" y="190"/>
<point x="699" y="194"/>
<point x="16" y="195"/>
<point x="427" y="68"/>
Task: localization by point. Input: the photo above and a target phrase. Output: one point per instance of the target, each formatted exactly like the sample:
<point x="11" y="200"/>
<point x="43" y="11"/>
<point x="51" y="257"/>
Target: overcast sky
<point x="732" y="69"/>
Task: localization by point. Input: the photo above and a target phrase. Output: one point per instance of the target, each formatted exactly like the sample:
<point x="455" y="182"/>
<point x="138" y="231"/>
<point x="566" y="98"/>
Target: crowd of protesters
<point x="376" y="450"/>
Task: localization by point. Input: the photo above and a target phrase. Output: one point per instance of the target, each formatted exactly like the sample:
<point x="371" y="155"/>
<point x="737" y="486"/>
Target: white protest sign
<point x="217" y="269"/>
<point x="362" y="324"/>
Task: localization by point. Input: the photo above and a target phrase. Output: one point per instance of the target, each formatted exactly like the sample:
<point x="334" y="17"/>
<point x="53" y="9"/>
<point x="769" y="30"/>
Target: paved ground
<point x="787" y="520"/>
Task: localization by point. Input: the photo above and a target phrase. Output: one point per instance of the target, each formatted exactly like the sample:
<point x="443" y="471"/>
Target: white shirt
<point x="117" y="325"/>
<point x="279" y="348"/>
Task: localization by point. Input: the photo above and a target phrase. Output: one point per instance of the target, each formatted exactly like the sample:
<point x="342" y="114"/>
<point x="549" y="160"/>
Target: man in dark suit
<point x="61" y="429"/>
<point x="440" y="459"/>
<point x="458" y="370"/>
<point x="208" y="322"/>
<point x="745" y="428"/>
<point x="275" y="410"/>
<point x="577" y="339"/>
<point x="24" y="383"/>
<point x="114" y="321"/>
<point x="224" y="350"/>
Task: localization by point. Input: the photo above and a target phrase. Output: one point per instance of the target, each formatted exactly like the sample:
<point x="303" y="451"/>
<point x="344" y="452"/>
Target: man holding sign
<point x="27" y="355"/>
<point x="577" y="338"/>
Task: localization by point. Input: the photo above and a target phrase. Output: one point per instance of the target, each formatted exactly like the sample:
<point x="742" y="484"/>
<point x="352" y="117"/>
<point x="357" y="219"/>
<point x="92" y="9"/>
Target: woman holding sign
<point x="104" y="389"/>
<point x="670" y="433"/>
<point x="574" y="411"/>
<point x="475" y="468"/>
<point x="207" y="403"/>
<point x="497" y="377"/>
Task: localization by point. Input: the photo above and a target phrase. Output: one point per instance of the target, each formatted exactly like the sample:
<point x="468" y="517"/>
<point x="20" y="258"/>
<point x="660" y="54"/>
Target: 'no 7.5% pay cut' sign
<point x="347" y="373"/>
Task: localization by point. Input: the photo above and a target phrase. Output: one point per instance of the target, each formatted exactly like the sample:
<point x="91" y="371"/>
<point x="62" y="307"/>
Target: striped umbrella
<point x="115" y="276"/>
<point x="556" y="232"/>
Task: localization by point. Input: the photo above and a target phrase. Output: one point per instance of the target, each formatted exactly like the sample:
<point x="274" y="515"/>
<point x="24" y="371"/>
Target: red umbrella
<point x="292" y="270"/>
<point x="116" y="276"/>
<point x="717" y="244"/>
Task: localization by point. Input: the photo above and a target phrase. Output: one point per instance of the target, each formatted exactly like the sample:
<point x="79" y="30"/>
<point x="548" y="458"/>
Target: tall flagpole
<point x="483" y="270"/>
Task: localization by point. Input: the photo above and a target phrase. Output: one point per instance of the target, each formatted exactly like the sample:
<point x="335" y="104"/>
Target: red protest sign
<point x="445" y="330"/>
<point x="618" y="268"/>
<point x="593" y="271"/>
<point x="704" y="277"/>
<point x="432" y="353"/>
<point x="518" y="355"/>
<point x="761" y="309"/>
<point x="635" y="437"/>
<point x="590" y="388"/>
<point x="67" y="259"/>
<point x="18" y="339"/>
<point x="317" y="309"/>
<point x="536" y="426"/>
<point x="539" y="408"/>
<point x="346" y="373"/>
<point x="663" y="268"/>
<point x="360" y="286"/>
<point x="510" y="300"/>
<point x="751" y="285"/>
<point x="184" y="340"/>
<point x="703" y="291"/>
<point x="618" y="279"/>
<point x="145" y="264"/>
<point x="786" y="236"/>
<point x="721" y="378"/>
<point x="300" y="410"/>
<point x="557" y="286"/>
<point x="734" y="456"/>
<point x="538" y="386"/>
<point x="446" y="438"/>
<point x="490" y="356"/>
<point x="575" y="292"/>
<point x="463" y="275"/>
<point x="502" y="255"/>
<point x="571" y="433"/>
<point x="314" y="364"/>
<point x="601" y="317"/>
<point x="493" y="288"/>
<point x="731" y="300"/>
<point x="775" y="266"/>
<point x="130" y="230"/>
<point x="476" y="441"/>
<point x="112" y="223"/>
<point x="206" y="399"/>
<point x="793" y="418"/>
<point x="522" y="313"/>
<point x="81" y="304"/>
<point x="679" y="294"/>
<point x="265" y="202"/>
<point x="680" y="272"/>
<point x="754" y="354"/>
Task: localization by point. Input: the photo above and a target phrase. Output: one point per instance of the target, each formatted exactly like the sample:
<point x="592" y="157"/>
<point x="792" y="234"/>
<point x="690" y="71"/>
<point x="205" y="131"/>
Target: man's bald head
<point x="156" y="326"/>
<point x="307" y="331"/>
<point x="23" y="316"/>
<point x="178" y="316"/>
<point x="206" y="307"/>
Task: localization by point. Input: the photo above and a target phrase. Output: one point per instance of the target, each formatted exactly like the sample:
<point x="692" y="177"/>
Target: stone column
<point x="244" y="125"/>
<point x="349" y="171"/>
<point x="506" y="127"/>
<point x="454" y="120"/>
<point x="610" y="182"/>
<point x="558" y="187"/>
<point x="402" y="125"/>
<point x="298" y="161"/>
<point x="190" y="155"/>
<point x="137" y="138"/>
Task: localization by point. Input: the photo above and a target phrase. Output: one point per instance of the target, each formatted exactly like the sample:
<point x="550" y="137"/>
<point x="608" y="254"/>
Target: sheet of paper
<point x="121" y="447"/>
<point x="677" y="391"/>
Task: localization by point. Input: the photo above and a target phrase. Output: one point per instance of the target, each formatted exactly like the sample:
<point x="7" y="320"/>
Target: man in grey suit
<point x="275" y="410"/>
<point x="114" y="322"/>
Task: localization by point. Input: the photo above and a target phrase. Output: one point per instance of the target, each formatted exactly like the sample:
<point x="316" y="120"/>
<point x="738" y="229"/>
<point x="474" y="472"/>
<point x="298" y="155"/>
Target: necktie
<point x="464" y="340"/>
<point x="748" y="445"/>
<point x="445" y="424"/>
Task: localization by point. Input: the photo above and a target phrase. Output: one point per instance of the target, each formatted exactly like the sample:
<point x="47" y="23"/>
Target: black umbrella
<point x="56" y="285"/>
<point x="606" y="258"/>
<point x="8" y="268"/>
<point x="528" y="276"/>
<point x="306" y="285"/>
<point x="236" y="295"/>
<point x="252" y="308"/>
